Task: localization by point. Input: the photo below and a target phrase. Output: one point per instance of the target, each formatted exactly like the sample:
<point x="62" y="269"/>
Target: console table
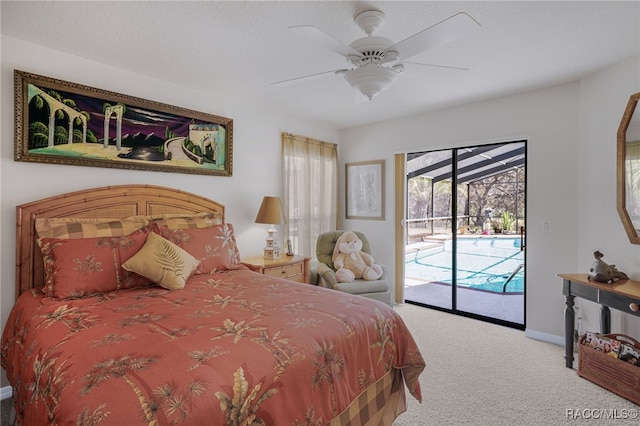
<point x="624" y="295"/>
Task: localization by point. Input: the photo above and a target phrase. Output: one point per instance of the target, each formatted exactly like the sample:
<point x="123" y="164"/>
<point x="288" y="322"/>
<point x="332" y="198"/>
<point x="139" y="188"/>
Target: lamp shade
<point x="270" y="211"/>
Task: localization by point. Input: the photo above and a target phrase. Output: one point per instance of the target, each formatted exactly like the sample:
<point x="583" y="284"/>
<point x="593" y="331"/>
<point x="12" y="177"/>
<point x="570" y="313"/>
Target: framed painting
<point x="365" y="190"/>
<point x="67" y="123"/>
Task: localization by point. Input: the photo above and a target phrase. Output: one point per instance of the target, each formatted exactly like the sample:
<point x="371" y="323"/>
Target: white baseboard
<point x="545" y="337"/>
<point x="6" y="392"/>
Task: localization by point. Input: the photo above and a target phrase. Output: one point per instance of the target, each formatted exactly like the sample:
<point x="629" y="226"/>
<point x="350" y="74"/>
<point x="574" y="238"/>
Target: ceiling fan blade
<point x="435" y="72"/>
<point x="437" y="67"/>
<point x="324" y="40"/>
<point x="443" y="32"/>
<point x="305" y="78"/>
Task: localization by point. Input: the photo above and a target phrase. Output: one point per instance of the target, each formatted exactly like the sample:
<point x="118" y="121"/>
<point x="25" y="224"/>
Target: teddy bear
<point x="351" y="262"/>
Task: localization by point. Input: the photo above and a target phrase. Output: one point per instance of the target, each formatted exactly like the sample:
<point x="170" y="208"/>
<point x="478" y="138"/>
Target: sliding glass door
<point x="464" y="231"/>
<point x="428" y="262"/>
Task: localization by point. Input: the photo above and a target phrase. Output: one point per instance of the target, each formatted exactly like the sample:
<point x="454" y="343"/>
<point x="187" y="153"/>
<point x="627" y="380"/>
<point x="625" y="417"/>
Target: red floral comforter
<point x="232" y="348"/>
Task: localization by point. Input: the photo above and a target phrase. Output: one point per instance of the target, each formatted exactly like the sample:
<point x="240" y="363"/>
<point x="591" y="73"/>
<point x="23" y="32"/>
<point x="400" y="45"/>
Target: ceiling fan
<point x="376" y="62"/>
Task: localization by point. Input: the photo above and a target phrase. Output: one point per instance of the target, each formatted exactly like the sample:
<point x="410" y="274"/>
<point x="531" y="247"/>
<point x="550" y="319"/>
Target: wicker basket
<point x="611" y="373"/>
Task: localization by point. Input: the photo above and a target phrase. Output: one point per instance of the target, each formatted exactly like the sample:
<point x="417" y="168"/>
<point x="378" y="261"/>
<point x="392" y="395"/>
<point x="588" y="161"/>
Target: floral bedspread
<point x="231" y="348"/>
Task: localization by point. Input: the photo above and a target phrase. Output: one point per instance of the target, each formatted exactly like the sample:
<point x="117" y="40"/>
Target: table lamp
<point x="271" y="213"/>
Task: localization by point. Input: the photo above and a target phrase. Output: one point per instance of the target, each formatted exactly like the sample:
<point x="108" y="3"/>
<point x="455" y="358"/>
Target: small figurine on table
<point x="604" y="273"/>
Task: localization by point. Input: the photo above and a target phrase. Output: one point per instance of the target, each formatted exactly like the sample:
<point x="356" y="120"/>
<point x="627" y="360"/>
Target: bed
<point x="224" y="346"/>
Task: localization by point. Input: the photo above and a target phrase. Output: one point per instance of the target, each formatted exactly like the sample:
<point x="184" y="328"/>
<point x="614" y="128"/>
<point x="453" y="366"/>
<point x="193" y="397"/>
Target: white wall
<point x="571" y="132"/>
<point x="603" y="99"/>
<point x="256" y="150"/>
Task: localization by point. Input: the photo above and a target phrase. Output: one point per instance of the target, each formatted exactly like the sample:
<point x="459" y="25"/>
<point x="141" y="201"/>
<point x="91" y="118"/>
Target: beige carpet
<point x="483" y="374"/>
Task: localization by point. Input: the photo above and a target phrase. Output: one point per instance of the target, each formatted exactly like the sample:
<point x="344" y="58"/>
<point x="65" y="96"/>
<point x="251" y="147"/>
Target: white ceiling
<point x="246" y="46"/>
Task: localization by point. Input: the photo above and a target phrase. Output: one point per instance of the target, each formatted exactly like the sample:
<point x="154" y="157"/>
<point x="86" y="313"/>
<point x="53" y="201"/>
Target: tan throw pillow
<point x="162" y="262"/>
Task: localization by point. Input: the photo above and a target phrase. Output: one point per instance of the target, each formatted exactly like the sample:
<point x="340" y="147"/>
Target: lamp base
<point x="271" y="250"/>
<point x="272" y="253"/>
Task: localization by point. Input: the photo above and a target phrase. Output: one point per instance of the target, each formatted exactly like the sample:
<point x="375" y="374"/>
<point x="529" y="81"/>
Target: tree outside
<point x="491" y="205"/>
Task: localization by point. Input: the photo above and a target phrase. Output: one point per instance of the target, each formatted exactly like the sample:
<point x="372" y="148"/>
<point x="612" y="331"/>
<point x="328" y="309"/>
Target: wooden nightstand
<point x="294" y="268"/>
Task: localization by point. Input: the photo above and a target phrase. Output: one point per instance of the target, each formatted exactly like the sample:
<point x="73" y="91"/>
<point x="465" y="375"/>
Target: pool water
<point x="494" y="264"/>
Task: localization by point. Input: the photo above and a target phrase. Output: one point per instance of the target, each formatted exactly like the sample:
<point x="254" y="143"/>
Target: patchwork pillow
<point x="198" y="221"/>
<point x="157" y="216"/>
<point x="162" y="262"/>
<point x="73" y="228"/>
<point x="215" y="247"/>
<point x="87" y="227"/>
<point x="80" y="267"/>
<point x="50" y="222"/>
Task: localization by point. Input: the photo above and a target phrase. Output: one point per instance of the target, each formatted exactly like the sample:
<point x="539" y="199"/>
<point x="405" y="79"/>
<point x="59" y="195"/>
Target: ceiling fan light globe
<point x="370" y="79"/>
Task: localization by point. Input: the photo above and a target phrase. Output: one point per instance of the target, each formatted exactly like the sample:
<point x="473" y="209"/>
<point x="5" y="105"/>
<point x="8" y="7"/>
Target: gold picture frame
<point x="365" y="190"/>
<point x="60" y="122"/>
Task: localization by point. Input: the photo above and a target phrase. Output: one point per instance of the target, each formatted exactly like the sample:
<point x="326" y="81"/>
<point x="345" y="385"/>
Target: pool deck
<point x="506" y="307"/>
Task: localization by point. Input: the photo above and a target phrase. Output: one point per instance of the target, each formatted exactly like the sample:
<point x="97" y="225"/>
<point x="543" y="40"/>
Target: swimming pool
<point x="486" y="263"/>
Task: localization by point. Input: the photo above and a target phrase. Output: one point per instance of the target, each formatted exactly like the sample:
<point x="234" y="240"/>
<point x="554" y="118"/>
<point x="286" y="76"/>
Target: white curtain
<point x="632" y="166"/>
<point x="310" y="193"/>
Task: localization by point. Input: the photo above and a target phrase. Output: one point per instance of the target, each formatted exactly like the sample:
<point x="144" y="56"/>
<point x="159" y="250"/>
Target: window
<point x="310" y="193"/>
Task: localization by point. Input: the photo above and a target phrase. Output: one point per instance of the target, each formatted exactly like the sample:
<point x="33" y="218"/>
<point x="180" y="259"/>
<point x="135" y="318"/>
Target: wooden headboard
<point x="106" y="202"/>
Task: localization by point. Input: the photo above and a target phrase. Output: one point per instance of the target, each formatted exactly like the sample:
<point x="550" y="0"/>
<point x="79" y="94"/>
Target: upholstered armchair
<point x="326" y="274"/>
